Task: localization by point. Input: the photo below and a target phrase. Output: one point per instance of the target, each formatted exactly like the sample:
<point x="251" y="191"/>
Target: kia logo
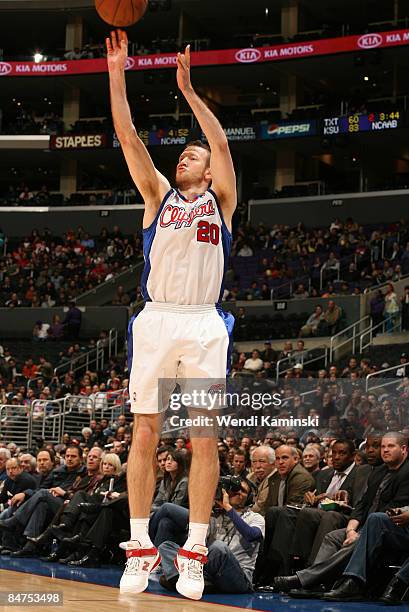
<point x="130" y="63"/>
<point x="5" y="68"/>
<point x="369" y="41"/>
<point x="246" y="56"/>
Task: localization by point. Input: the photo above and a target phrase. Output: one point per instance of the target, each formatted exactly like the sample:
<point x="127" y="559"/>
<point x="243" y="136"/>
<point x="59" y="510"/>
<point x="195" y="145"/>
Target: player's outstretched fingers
<point x="108" y="45"/>
<point x="113" y="40"/>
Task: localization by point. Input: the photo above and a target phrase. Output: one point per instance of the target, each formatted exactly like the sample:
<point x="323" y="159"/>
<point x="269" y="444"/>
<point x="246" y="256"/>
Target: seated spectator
<point x="28" y="462"/>
<point x="40" y="331"/>
<point x="312" y="324"/>
<point x="332" y="317"/>
<point x="288" y="486"/>
<point x="17" y="480"/>
<point x="30" y="517"/>
<point x="262" y="470"/>
<point x="269" y="354"/>
<point x="173" y="487"/>
<point x="83" y="509"/>
<point x="301" y="292"/>
<point x="253" y="363"/>
<point x="4" y="455"/>
<point x="311" y="458"/>
<point x="233" y="542"/>
<point x="30" y="370"/>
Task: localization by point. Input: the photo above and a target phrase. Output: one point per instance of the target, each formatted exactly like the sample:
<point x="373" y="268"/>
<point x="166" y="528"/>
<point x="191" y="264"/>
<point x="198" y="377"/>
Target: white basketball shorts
<point x="170" y="343"/>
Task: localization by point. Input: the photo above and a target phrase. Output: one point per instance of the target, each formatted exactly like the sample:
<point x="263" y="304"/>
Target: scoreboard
<point x="371" y="122"/>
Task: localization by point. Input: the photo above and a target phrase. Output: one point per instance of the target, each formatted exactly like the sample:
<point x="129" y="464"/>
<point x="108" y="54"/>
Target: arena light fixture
<point x="38" y="57"/>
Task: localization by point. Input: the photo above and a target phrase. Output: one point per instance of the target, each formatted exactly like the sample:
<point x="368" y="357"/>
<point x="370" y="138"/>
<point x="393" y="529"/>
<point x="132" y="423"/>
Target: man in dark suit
<point x="299" y="533"/>
<point x="344" y="481"/>
<point x="380" y="532"/>
<point x="338" y="545"/>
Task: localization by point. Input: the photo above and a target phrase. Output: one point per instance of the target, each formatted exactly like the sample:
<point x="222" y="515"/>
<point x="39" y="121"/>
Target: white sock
<point x="197" y="535"/>
<point x="139" y="531"/>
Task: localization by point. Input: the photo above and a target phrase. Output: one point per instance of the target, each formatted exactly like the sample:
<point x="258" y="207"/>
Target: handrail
<point x="356" y="332"/>
<point x="379" y="326"/>
<point x="96" y="355"/>
<point x="110" y="281"/>
<point x="324" y="356"/>
<point x="377" y="374"/>
<point x="373" y="287"/>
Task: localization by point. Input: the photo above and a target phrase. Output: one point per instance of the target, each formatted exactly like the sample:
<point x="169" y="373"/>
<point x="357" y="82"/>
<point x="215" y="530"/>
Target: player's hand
<point x="183" y="70"/>
<point x="117" y="50"/>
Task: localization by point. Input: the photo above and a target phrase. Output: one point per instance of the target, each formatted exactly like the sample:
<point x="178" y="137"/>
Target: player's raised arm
<point x="221" y="163"/>
<point x="151" y="184"/>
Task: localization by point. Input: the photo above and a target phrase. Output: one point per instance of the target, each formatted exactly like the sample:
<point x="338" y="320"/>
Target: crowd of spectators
<point x="276" y="484"/>
<point x="22" y="381"/>
<point x="294" y="261"/>
<point x="43" y="270"/>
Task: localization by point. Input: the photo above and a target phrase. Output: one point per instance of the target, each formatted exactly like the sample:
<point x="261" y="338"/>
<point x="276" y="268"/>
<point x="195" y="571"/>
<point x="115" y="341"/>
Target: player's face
<point x="193" y="167"/>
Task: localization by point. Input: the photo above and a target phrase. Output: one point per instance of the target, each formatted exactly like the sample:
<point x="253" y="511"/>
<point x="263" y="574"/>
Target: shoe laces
<point x="194" y="570"/>
<point x="132" y="566"/>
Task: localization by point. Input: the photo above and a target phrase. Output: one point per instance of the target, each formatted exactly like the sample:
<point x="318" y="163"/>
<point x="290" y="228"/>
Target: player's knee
<point x="146" y="430"/>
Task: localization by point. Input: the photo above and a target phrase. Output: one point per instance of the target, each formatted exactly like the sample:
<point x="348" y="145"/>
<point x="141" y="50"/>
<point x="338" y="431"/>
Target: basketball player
<point x="182" y="331"/>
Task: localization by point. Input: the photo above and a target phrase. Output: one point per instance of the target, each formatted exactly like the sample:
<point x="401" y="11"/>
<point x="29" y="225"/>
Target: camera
<point x="231" y="484"/>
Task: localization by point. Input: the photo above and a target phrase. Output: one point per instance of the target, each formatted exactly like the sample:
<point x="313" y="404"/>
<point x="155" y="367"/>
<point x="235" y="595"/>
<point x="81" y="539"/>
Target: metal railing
<point x="95" y="356"/>
<point x="50" y="419"/>
<point x="302" y="280"/>
<point x="15" y="424"/>
<point x="303" y="359"/>
<point x="379" y="328"/>
<point x="111" y="404"/>
<point x="353" y="333"/>
<point x="46" y="418"/>
<point x="377" y="375"/>
<point x="324" y="268"/>
<point x="117" y="279"/>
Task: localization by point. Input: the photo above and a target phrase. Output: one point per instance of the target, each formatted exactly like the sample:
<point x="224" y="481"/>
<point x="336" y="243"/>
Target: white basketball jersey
<point x="186" y="249"/>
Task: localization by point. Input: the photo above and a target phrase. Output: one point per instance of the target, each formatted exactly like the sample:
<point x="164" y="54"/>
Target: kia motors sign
<point x="5" y="68"/>
<point x="248" y="56"/>
<point x="130" y="63"/>
<point x="370" y="41"/>
<point x="78" y="141"/>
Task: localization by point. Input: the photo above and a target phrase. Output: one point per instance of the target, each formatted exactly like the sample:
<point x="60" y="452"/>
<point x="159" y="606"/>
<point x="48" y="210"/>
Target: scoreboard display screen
<point x="372" y="122"/>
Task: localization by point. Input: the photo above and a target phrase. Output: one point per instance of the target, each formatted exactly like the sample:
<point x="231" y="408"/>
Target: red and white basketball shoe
<point x="189" y="564"/>
<point x="140" y="563"/>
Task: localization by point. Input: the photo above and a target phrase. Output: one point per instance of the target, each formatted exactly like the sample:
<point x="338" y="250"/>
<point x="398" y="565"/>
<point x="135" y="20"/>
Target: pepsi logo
<point x="246" y="56"/>
<point x="370" y="41"/>
<point x="130" y="63"/>
<point x="5" y="68"/>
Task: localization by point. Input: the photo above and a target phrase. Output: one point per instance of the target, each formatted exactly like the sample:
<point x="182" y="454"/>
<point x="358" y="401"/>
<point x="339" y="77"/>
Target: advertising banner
<point x="79" y="141"/>
<point x="250" y="55"/>
<point x="288" y="129"/>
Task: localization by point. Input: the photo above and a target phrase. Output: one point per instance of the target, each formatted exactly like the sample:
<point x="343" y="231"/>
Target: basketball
<point x="121" y="13"/>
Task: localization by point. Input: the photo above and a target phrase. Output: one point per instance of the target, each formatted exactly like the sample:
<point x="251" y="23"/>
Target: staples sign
<point x="5" y="68"/>
<point x="370" y="41"/>
<point x="247" y="56"/>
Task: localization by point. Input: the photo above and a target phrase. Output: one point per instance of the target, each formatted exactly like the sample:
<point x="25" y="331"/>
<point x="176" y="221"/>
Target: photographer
<point x="233" y="542"/>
